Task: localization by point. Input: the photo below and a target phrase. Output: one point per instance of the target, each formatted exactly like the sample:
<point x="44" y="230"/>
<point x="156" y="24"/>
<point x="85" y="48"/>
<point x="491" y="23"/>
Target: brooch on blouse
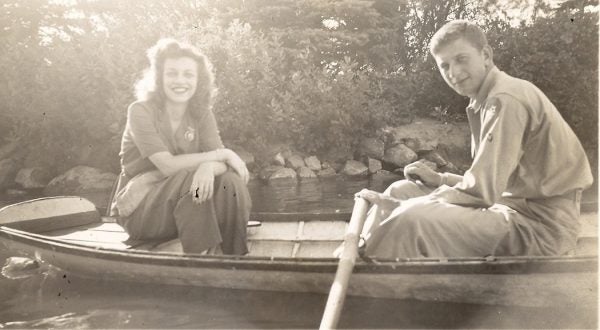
<point x="189" y="134"/>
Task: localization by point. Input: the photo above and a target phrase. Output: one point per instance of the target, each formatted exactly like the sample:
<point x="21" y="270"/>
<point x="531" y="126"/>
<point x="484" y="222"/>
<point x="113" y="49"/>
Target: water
<point x="52" y="300"/>
<point x="314" y="195"/>
<point x="49" y="298"/>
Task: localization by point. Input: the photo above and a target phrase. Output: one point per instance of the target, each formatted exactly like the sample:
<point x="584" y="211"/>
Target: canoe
<point x="293" y="253"/>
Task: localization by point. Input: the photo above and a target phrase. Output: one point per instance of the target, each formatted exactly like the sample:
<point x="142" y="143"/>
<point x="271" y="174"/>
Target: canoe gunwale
<point x="495" y="265"/>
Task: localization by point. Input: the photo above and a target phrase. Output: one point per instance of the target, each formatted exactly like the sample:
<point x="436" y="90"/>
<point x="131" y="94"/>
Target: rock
<point x="305" y="173"/>
<point x="84" y="181"/>
<point x="429" y="164"/>
<point x="266" y="172"/>
<point x="336" y="157"/>
<point x="355" y="168"/>
<point x="372" y="148"/>
<point x="313" y="163"/>
<point x="295" y="162"/>
<point x="427" y="134"/>
<point x="8" y="170"/>
<point x="399" y="155"/>
<point x="278" y="159"/>
<point x="374" y="165"/>
<point x="336" y="166"/>
<point x="443" y="164"/>
<point x="80" y="179"/>
<point x="385" y="175"/>
<point x="326" y="172"/>
<point x="284" y="173"/>
<point x="451" y="168"/>
<point x="33" y="177"/>
<point x="434" y="156"/>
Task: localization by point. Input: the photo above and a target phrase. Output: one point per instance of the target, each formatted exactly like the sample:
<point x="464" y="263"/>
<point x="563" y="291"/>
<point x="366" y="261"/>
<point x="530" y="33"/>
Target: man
<point x="522" y="193"/>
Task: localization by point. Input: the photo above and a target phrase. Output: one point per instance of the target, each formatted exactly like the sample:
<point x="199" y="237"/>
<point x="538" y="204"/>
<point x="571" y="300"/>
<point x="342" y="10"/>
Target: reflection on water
<point x="46" y="297"/>
<point x="314" y="195"/>
<point x="58" y="300"/>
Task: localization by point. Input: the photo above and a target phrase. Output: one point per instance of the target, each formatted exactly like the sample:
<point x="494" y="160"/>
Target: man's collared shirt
<point x="521" y="146"/>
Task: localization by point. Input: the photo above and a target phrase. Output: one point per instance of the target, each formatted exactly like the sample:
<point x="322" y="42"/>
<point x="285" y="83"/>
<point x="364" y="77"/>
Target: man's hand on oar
<point x="386" y="205"/>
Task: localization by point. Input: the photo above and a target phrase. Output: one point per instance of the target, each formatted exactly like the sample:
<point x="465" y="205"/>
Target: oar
<point x="337" y="294"/>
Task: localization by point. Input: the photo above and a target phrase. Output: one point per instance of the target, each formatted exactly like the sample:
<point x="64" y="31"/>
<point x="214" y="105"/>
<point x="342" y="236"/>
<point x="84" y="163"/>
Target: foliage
<point x="318" y="75"/>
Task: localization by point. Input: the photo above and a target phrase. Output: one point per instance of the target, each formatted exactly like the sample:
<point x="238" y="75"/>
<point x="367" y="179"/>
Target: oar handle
<point x="337" y="294"/>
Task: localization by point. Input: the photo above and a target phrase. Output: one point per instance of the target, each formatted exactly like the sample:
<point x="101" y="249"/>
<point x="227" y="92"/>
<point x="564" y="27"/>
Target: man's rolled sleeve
<point x="500" y="149"/>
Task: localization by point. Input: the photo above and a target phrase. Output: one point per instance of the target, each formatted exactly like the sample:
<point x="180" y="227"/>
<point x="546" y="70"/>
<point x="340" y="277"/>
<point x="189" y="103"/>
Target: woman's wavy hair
<point x="150" y="86"/>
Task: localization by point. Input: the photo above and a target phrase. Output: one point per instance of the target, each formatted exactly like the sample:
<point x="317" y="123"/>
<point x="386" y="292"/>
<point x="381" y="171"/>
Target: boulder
<point x="33" y="177"/>
<point x="427" y="134"/>
<point x="295" y="162"/>
<point x="8" y="170"/>
<point x="400" y="155"/>
<point x="434" y="156"/>
<point x="80" y="179"/>
<point x="355" y="168"/>
<point x="313" y="163"/>
<point x="266" y="172"/>
<point x="84" y="181"/>
<point x="374" y="165"/>
<point x="385" y="175"/>
<point x="451" y="168"/>
<point x="326" y="172"/>
<point x="372" y="148"/>
<point x="443" y="165"/>
<point x="305" y="173"/>
<point x="336" y="166"/>
<point x="284" y="173"/>
<point x="278" y="159"/>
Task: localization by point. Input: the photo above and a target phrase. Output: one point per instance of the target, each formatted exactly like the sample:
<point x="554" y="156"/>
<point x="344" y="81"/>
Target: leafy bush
<point x="68" y="71"/>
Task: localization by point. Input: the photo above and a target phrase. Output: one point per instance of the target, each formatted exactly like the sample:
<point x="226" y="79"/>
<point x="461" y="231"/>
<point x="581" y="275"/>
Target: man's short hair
<point x="455" y="30"/>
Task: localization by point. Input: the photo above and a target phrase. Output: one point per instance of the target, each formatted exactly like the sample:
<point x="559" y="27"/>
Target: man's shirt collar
<point x="489" y="82"/>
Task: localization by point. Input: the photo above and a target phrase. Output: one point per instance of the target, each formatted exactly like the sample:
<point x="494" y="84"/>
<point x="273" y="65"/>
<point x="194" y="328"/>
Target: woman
<point x="177" y="179"/>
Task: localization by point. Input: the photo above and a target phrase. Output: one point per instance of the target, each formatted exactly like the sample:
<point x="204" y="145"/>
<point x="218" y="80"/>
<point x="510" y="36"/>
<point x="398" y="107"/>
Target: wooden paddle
<point x="337" y="294"/>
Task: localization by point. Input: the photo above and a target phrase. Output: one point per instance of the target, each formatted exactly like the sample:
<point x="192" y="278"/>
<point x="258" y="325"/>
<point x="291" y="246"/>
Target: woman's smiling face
<point x="180" y="79"/>
<point x="463" y="66"/>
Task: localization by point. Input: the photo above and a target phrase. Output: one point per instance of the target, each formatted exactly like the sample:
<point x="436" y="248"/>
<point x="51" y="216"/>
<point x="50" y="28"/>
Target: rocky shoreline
<point x="442" y="146"/>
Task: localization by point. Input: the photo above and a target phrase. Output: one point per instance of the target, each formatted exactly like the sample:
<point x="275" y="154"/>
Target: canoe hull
<point x="535" y="282"/>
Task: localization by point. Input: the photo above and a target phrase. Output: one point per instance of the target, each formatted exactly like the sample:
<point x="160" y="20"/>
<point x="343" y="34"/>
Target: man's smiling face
<point x="463" y="66"/>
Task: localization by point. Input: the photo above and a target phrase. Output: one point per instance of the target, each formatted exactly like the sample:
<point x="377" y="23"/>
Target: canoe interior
<point x="296" y="239"/>
<point x="289" y="236"/>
